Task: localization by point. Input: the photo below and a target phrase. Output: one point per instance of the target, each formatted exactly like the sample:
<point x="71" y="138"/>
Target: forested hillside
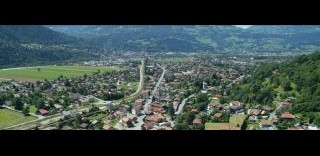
<point x="299" y="79"/>
<point x="23" y="45"/>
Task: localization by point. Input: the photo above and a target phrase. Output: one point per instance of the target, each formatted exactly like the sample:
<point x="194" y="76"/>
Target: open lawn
<point x="130" y="85"/>
<point x="9" y="117"/>
<point x="50" y="72"/>
<point x="235" y="120"/>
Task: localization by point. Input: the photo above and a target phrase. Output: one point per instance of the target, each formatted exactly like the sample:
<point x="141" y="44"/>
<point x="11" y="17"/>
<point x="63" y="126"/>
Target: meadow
<point x="49" y="72"/>
<point x="9" y="118"/>
<point x="234" y="121"/>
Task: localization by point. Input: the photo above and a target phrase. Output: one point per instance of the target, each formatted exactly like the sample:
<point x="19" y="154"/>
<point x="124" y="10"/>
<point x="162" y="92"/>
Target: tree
<point x="18" y="105"/>
<point x="171" y="109"/>
<point x="26" y="110"/>
<point x="287" y="86"/>
<point x="2" y="100"/>
<point x="38" y="69"/>
<point x="222" y="100"/>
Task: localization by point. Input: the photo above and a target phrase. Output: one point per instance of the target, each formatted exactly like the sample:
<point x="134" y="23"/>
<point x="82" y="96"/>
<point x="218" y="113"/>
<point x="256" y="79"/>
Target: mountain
<point x="22" y="45"/>
<point x="199" y="38"/>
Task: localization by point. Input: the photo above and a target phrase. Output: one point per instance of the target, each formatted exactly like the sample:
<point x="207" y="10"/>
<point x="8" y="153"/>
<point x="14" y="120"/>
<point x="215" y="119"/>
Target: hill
<point x="24" y="45"/>
<point x="299" y="79"/>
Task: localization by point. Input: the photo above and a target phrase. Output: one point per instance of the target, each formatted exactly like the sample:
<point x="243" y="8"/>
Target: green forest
<point x="299" y="78"/>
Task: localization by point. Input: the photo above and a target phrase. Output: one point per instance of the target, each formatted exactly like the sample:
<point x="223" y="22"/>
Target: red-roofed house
<point x="287" y="115"/>
<point x="217" y="115"/>
<point x="107" y="127"/>
<point x="197" y="122"/>
<point x="43" y="111"/>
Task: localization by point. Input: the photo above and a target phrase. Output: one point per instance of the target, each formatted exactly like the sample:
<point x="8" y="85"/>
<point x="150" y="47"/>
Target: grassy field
<point x="130" y="85"/>
<point x="3" y="80"/>
<point x="8" y="118"/>
<point x="50" y="72"/>
<point x="233" y="121"/>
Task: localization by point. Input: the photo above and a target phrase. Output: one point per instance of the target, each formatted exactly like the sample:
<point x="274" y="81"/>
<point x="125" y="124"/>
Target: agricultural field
<point x="49" y="72"/>
<point x="234" y="121"/>
<point x="9" y="117"/>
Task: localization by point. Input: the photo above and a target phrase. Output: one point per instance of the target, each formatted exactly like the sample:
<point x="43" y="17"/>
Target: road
<point x="149" y="101"/>
<point x="142" y="72"/>
<point x="180" y="107"/>
<point x="139" y="123"/>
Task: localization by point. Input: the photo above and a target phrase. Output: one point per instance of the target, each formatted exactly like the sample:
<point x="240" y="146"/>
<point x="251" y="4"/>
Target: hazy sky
<point x="243" y="26"/>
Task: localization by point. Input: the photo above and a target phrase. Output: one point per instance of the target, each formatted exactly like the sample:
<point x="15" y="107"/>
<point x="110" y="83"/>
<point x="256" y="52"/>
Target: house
<point x="267" y="109"/>
<point x="95" y="122"/>
<point x="139" y="102"/>
<point x="127" y="121"/>
<point x="212" y="105"/>
<point x="84" y="100"/>
<point x="197" y="122"/>
<point x="285" y="105"/>
<point x="110" y="116"/>
<point x="136" y="110"/>
<point x="148" y="125"/>
<point x="109" y="105"/>
<point x="175" y="105"/>
<point x="166" y="128"/>
<point x="132" y="117"/>
<point x="8" y="103"/>
<point x="236" y="105"/>
<point x="155" y="118"/>
<point x="75" y="96"/>
<point x="107" y="127"/>
<point x="292" y="128"/>
<point x="287" y="115"/>
<point x="255" y="112"/>
<point x="217" y="115"/>
<point x="66" y="128"/>
<point x="158" y="109"/>
<point x="66" y="114"/>
<point x="266" y="123"/>
<point x="57" y="106"/>
<point x="119" y="114"/>
<point x="84" y="125"/>
<point x="274" y="120"/>
<point x="194" y="110"/>
<point x="43" y="111"/>
<point x="61" y="101"/>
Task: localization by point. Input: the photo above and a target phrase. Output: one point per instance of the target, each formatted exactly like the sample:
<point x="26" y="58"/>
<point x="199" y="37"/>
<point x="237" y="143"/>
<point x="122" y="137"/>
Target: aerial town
<point x="148" y="92"/>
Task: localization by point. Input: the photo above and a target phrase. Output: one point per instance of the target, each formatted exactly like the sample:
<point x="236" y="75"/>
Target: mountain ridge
<point x="211" y="38"/>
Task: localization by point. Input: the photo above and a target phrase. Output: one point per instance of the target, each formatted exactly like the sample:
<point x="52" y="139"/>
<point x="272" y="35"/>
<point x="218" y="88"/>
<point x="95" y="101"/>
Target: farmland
<point x="49" y="72"/>
<point x="234" y="121"/>
<point x="8" y="118"/>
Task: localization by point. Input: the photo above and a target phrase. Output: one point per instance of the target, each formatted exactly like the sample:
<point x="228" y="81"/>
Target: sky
<point x="243" y="26"/>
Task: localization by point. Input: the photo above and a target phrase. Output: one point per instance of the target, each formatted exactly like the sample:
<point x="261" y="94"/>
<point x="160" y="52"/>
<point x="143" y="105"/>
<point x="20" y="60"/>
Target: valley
<point x="159" y="78"/>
